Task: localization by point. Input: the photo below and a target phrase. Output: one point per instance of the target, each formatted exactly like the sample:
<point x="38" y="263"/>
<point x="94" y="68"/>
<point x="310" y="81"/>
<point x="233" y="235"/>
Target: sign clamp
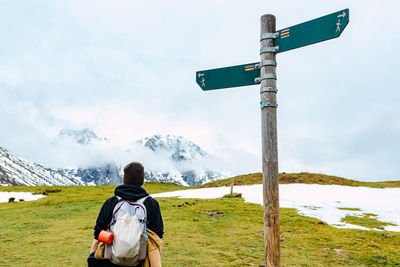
<point x="268" y="89"/>
<point x="265" y="63"/>
<point x="268" y="104"/>
<point x="265" y="77"/>
<point x="269" y="35"/>
<point x="269" y="49"/>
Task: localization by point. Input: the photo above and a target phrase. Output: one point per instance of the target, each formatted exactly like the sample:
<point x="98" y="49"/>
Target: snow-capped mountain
<point x="107" y="174"/>
<point x="185" y="156"/>
<point x="83" y="137"/>
<point x="180" y="149"/>
<point x="182" y="177"/>
<point x="17" y="171"/>
<point x="183" y="163"/>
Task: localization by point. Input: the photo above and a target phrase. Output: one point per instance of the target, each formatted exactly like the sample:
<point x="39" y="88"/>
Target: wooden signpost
<point x="264" y="73"/>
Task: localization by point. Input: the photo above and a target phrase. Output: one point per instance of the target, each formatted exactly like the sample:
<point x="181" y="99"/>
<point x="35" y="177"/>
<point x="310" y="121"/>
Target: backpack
<point x="128" y="225"/>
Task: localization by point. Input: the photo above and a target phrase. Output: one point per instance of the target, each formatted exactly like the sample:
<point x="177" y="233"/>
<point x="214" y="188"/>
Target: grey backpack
<point x="128" y="224"/>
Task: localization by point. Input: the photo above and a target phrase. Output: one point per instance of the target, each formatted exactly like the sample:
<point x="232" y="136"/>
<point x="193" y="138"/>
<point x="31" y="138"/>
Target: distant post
<point x="269" y="106"/>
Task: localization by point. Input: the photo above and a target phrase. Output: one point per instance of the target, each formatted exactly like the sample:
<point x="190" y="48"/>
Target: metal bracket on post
<point x="269" y="49"/>
<point x="265" y="77"/>
<point x="265" y="63"/>
<point x="269" y="35"/>
<point x="268" y="89"/>
<point x="268" y="104"/>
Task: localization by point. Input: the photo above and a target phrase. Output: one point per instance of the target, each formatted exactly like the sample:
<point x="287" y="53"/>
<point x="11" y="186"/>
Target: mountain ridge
<point x="18" y="171"/>
<point x="183" y="168"/>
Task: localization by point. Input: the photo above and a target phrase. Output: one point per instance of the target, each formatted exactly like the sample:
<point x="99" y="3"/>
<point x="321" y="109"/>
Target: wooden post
<point x="269" y="145"/>
<point x="232" y="183"/>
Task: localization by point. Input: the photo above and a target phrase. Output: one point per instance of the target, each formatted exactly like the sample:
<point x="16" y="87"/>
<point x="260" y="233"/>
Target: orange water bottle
<point x="106" y="236"/>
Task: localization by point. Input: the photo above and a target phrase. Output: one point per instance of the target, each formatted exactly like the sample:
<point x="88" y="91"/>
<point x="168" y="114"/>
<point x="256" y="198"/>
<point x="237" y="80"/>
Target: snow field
<point x="26" y="196"/>
<point x="318" y="201"/>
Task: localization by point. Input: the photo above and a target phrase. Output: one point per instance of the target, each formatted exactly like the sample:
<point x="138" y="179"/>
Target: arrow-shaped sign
<point x="240" y="75"/>
<point x="313" y="31"/>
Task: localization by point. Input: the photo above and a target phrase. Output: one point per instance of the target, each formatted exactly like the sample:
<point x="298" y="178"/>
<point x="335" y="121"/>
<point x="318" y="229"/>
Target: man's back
<point x="131" y="190"/>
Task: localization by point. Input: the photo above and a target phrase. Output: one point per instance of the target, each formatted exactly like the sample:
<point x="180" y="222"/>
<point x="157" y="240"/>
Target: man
<point x="130" y="190"/>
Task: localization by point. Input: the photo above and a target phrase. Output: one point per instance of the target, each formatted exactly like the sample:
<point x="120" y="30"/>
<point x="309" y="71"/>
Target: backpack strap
<point x="142" y="200"/>
<point x="113" y="220"/>
<point x="139" y="201"/>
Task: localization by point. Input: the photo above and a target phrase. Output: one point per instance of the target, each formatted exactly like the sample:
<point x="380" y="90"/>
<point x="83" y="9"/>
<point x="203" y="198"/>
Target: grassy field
<point x="58" y="230"/>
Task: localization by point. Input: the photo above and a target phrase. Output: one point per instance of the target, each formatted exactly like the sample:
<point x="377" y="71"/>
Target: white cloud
<point x="10" y="76"/>
<point x="126" y="69"/>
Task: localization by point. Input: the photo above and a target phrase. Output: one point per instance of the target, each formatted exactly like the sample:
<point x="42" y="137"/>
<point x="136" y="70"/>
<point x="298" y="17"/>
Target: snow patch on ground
<point x="25" y="196"/>
<point x="318" y="201"/>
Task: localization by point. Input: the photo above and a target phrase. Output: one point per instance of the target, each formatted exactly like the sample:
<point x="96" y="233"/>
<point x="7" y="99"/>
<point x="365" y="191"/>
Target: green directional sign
<point x="240" y="75"/>
<point x="307" y="33"/>
<point x="313" y="31"/>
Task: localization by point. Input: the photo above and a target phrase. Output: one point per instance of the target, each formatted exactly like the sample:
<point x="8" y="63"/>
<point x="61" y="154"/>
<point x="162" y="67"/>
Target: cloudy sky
<point x="127" y="68"/>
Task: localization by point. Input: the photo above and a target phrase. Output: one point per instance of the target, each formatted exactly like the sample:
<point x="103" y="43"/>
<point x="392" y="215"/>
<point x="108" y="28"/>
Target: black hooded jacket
<point x="130" y="192"/>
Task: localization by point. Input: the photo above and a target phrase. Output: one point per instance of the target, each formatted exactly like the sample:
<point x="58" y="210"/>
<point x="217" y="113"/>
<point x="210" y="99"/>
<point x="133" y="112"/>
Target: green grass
<point x="58" y="230"/>
<point x="303" y="178"/>
<point x="367" y="220"/>
<point x="353" y="209"/>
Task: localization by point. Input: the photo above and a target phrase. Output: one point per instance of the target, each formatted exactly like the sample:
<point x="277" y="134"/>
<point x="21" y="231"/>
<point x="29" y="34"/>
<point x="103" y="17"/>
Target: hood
<point x="130" y="192"/>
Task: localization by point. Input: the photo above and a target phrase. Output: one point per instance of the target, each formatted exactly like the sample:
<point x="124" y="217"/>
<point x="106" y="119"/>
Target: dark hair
<point x="134" y="174"/>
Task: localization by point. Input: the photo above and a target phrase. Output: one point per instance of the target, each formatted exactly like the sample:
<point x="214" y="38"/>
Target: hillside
<point x="18" y="171"/>
<point x="299" y="178"/>
<point x="213" y="232"/>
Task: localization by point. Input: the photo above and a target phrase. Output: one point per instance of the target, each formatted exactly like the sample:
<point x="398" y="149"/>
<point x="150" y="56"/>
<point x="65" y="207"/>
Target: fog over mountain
<point x="83" y="137"/>
<point x="166" y="158"/>
<point x="184" y="155"/>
